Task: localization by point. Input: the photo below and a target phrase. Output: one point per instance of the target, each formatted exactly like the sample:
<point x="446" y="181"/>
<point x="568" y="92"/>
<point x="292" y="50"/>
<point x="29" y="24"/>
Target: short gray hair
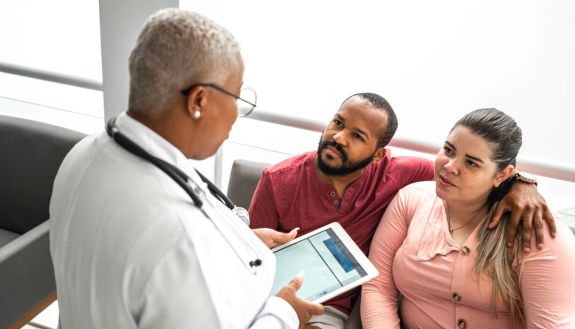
<point x="177" y="48"/>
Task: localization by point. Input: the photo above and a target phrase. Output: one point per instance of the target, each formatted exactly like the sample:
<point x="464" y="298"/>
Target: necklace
<point x="451" y="230"/>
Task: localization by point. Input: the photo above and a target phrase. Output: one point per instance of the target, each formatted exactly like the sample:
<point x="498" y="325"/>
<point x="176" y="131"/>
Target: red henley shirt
<point x="289" y="195"/>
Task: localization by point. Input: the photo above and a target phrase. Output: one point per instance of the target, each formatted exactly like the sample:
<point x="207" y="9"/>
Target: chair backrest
<point x="244" y="178"/>
<point x="30" y="155"/>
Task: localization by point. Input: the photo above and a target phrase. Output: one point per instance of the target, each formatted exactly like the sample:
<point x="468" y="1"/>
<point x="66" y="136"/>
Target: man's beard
<point x="346" y="167"/>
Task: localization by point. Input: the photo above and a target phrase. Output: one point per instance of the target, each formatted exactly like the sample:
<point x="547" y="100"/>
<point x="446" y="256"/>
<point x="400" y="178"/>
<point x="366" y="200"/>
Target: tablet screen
<point x="327" y="263"/>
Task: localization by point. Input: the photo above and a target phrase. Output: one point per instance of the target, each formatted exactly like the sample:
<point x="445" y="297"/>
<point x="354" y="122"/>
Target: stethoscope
<point x="183" y="180"/>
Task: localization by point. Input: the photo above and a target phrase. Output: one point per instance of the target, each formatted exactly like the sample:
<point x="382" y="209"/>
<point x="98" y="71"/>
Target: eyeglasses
<point x="246" y="101"/>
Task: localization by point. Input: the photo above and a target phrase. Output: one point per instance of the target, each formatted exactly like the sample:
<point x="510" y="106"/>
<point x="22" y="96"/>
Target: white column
<point x="120" y="24"/>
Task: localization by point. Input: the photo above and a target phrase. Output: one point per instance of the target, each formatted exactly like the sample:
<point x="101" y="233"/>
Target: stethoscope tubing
<point x="180" y="178"/>
<point x="175" y="173"/>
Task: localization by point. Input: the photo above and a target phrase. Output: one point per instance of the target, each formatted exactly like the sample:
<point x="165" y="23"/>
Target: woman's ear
<point x="503" y="175"/>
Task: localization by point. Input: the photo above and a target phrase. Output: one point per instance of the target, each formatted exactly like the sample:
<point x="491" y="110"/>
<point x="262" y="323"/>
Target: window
<point x="56" y="37"/>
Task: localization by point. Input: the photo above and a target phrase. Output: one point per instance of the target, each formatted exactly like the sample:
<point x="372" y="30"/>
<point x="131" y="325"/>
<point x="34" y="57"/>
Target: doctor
<point x="137" y="238"/>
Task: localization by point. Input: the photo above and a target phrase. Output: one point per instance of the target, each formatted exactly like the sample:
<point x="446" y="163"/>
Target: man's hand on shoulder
<point x="526" y="205"/>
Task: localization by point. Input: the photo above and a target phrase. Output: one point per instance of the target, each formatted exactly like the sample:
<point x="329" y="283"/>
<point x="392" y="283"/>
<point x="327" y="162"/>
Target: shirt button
<point x="461" y="324"/>
<point x="335" y="202"/>
<point x="455" y="297"/>
<point x="465" y="250"/>
<point x="332" y="193"/>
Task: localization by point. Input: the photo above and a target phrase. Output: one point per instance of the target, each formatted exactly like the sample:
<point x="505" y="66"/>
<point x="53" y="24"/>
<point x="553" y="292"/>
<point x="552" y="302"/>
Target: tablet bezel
<point x="352" y="248"/>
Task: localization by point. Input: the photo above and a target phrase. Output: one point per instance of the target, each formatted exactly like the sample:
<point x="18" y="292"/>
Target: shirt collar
<point x="436" y="239"/>
<point x="155" y="144"/>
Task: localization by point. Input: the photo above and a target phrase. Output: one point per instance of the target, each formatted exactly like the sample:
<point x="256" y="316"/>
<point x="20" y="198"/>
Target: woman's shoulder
<point x="415" y="195"/>
<point x="419" y="189"/>
<point x="562" y="246"/>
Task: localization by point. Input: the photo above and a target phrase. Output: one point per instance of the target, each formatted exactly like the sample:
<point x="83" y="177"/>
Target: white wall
<point x="58" y="36"/>
<point x="120" y="25"/>
<point x="433" y="60"/>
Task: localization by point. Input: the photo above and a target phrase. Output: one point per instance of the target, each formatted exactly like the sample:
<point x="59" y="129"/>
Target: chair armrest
<point x="26" y="273"/>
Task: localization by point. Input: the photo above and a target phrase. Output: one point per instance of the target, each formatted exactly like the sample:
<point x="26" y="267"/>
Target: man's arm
<point x="416" y="170"/>
<point x="526" y="205"/>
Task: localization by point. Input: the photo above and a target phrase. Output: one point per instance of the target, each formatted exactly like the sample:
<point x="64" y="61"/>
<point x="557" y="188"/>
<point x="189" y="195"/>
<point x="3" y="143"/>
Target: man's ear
<point x="379" y="154"/>
<point x="503" y="175"/>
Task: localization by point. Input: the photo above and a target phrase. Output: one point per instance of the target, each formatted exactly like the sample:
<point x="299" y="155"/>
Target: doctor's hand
<point x="303" y="308"/>
<point x="273" y="238"/>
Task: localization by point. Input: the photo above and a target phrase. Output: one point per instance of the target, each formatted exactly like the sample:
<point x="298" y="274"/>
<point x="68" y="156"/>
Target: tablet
<point x="332" y="262"/>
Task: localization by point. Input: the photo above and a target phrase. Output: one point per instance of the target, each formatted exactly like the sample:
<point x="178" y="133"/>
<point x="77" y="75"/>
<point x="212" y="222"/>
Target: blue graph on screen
<point x="339" y="255"/>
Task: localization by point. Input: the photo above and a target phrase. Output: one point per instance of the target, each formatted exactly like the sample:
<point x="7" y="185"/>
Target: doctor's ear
<point x="195" y="101"/>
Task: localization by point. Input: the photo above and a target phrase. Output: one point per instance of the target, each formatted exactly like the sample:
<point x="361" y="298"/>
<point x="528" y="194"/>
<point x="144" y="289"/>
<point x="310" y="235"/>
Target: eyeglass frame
<point x="187" y="90"/>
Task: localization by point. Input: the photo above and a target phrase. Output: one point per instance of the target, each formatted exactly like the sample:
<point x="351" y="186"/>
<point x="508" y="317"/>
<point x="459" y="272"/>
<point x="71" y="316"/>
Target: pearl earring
<point x="197" y="114"/>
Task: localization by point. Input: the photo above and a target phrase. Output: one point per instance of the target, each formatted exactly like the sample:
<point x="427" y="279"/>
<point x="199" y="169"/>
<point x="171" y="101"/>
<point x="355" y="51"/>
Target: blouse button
<point x="461" y="324"/>
<point x="335" y="202"/>
<point x="465" y="250"/>
<point x="332" y="193"/>
<point x="455" y="297"/>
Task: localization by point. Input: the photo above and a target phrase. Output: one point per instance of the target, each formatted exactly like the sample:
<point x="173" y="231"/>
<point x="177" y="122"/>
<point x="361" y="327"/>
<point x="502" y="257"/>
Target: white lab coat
<point x="130" y="249"/>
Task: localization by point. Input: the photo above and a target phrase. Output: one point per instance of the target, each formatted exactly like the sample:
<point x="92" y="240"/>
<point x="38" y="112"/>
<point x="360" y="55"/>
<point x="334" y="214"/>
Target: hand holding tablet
<point x="303" y="308"/>
<point x="332" y="263"/>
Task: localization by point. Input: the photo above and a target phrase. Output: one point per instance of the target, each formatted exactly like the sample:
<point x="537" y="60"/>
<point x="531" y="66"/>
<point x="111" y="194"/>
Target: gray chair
<point x="244" y="178"/>
<point x="30" y="155"/>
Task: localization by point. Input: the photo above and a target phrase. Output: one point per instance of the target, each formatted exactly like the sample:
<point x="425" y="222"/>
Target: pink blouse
<point x="416" y="255"/>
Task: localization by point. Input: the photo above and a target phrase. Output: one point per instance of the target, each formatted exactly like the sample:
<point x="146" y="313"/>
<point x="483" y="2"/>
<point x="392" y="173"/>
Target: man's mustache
<point x="337" y="146"/>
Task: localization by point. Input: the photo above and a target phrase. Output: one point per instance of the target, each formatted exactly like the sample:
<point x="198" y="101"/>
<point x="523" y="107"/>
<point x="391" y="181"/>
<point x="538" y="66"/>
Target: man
<point x="350" y="179"/>
<point x="136" y="237"/>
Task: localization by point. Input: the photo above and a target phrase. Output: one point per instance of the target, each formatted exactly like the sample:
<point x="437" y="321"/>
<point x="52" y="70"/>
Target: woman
<point x="136" y="237"/>
<point x="433" y="245"/>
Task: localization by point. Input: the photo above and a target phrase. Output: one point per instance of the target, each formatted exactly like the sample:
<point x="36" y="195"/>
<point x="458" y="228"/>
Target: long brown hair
<point x="494" y="258"/>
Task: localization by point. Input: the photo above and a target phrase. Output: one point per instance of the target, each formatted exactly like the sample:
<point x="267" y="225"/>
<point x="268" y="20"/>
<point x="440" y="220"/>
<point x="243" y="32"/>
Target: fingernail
<point x="540" y="245"/>
<point x="509" y="244"/>
<point x="295" y="230"/>
<point x="300" y="274"/>
<point x="526" y="249"/>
